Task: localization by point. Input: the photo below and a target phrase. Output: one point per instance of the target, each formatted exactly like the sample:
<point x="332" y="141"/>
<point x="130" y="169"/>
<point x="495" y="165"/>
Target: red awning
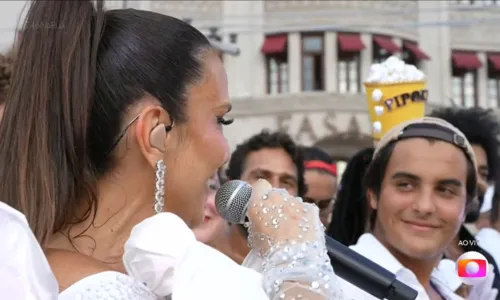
<point x="413" y="47"/>
<point x="386" y="43"/>
<point x="350" y="42"/>
<point x="466" y="60"/>
<point x="494" y="59"/>
<point x="274" y="44"/>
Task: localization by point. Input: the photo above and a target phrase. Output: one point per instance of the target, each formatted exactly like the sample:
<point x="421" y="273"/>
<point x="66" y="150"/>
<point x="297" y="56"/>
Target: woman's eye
<point x="224" y="122"/>
<point x="212" y="185"/>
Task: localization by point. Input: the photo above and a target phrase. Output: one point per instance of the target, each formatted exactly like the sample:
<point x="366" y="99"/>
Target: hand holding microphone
<point x="277" y="217"/>
<point x="288" y="235"/>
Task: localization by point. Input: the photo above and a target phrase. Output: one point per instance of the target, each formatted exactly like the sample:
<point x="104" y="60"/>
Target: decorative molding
<point x="301" y="103"/>
<point x="358" y="16"/>
<point x="196" y="10"/>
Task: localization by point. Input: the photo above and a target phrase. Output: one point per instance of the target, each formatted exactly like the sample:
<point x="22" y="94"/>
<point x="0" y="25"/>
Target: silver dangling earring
<point x="160" y="186"/>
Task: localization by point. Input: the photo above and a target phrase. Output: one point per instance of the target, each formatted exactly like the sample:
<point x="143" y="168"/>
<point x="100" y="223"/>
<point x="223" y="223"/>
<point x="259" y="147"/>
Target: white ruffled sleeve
<point x="163" y="253"/>
<point x="25" y="273"/>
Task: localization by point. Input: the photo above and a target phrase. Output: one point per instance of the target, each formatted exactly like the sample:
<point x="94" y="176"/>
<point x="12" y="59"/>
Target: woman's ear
<point x="151" y="132"/>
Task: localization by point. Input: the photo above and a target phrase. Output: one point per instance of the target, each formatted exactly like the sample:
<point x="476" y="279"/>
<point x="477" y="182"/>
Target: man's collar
<point x="369" y="246"/>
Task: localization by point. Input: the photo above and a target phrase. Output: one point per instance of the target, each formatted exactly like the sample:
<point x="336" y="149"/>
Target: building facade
<point x="301" y="64"/>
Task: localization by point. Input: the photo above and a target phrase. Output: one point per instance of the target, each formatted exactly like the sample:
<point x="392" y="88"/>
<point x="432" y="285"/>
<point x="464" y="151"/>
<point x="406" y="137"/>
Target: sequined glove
<point x="288" y="235"/>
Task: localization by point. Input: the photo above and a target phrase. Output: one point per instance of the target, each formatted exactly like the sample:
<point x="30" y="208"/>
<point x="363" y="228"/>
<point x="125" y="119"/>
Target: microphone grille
<point x="231" y="200"/>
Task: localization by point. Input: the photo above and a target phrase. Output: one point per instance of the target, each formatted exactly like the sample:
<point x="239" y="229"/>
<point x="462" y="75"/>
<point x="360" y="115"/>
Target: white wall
<point x="10" y="12"/>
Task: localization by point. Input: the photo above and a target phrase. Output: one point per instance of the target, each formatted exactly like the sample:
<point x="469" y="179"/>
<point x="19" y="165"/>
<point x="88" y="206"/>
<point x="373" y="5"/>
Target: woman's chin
<point x="204" y="230"/>
<point x="203" y="235"/>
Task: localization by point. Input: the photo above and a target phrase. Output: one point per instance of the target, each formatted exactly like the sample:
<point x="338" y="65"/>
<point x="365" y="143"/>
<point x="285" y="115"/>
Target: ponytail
<point x="44" y="167"/>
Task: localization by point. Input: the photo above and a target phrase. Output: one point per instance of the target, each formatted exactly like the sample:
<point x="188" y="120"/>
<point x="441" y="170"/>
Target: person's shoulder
<point x="69" y="267"/>
<point x="80" y="275"/>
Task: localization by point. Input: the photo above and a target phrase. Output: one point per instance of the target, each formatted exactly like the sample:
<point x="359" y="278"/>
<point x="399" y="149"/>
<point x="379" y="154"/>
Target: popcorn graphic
<point x="396" y="92"/>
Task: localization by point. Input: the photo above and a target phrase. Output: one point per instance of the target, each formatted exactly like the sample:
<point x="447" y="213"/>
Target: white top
<point x="24" y="271"/>
<point x="372" y="249"/>
<point x="489" y="240"/>
<point x="108" y="285"/>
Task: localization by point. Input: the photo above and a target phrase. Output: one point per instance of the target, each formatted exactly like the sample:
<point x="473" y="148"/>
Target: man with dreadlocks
<point x="482" y="129"/>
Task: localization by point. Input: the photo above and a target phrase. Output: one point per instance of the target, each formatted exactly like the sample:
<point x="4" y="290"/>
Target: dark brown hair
<point x="77" y="70"/>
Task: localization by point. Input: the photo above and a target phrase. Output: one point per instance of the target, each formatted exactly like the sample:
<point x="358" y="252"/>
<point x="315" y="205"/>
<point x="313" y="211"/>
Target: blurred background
<point x="298" y="66"/>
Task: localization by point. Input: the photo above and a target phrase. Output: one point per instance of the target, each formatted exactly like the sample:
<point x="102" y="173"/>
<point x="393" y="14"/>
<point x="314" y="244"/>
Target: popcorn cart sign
<point x="396" y="92"/>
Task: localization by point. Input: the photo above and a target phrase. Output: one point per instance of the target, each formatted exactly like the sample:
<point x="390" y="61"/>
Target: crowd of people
<point x="112" y="152"/>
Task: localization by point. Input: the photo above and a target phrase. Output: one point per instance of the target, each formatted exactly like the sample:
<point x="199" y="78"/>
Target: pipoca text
<point x="403" y="99"/>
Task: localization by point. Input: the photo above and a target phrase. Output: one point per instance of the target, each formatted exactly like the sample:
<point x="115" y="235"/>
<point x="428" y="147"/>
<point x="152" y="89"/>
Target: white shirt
<point x="25" y="273"/>
<point x="371" y="248"/>
<point x="489" y="240"/>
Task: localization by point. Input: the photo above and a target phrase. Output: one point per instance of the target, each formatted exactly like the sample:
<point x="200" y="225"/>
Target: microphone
<point x="231" y="201"/>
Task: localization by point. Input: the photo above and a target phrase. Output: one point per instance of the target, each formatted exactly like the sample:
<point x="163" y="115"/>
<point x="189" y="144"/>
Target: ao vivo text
<point x="465" y="243"/>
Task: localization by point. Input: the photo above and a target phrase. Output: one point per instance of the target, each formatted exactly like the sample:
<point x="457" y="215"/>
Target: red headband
<point x="318" y="164"/>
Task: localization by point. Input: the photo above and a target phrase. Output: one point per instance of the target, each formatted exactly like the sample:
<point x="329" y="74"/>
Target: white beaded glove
<point x="289" y="236"/>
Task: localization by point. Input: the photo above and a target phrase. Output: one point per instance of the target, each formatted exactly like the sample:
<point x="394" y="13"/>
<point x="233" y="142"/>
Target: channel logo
<point x="472" y="267"/>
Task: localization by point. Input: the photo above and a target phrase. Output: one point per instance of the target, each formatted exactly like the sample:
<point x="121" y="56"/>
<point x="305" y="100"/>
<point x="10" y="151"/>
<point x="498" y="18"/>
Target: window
<point x="493" y="81"/>
<point x="412" y="54"/>
<point x="277" y="74"/>
<point x="494" y="91"/>
<point x="348" y="70"/>
<point x="464" y="87"/>
<point x="380" y="54"/>
<point x="409" y="57"/>
<point x="383" y="48"/>
<point x="312" y="63"/>
<point x="275" y="51"/>
<point x="349" y="47"/>
<point x="464" y="77"/>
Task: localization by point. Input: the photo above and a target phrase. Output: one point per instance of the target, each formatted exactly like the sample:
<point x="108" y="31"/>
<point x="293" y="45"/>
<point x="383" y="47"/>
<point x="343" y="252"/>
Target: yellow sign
<point x="392" y="104"/>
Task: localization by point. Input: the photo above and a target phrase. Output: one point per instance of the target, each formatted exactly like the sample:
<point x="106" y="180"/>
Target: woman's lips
<point x="207" y="218"/>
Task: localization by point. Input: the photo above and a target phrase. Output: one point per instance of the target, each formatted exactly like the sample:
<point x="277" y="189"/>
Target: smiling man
<point x="271" y="156"/>
<point x="421" y="178"/>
